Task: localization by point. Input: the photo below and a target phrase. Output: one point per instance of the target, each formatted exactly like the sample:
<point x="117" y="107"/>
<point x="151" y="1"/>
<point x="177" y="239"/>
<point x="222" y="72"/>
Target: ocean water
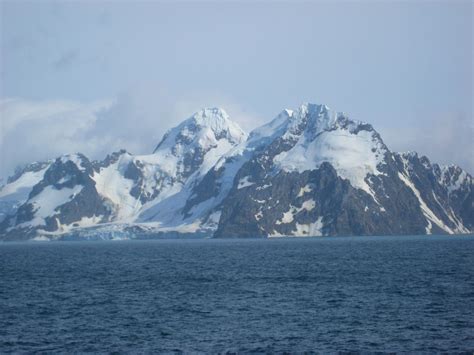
<point x="367" y="294"/>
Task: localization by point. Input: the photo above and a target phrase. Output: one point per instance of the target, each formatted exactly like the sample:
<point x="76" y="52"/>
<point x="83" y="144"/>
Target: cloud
<point x="135" y="120"/>
<point x="139" y="117"/>
<point x="39" y="130"/>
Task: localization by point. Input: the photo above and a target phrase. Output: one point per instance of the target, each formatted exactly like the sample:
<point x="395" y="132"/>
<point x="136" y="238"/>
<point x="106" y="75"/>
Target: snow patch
<point x="276" y="234"/>
<point x="244" y="182"/>
<point x="308" y="205"/>
<point x="311" y="229"/>
<point x="305" y="189"/>
<point x="288" y="216"/>
<point x="64" y="179"/>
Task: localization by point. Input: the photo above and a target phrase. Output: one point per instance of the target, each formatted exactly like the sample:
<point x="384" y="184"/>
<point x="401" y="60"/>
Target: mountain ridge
<point x="308" y="172"/>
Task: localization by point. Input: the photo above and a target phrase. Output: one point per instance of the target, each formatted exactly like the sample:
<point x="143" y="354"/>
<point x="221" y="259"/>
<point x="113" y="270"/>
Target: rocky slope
<point x="309" y="172"/>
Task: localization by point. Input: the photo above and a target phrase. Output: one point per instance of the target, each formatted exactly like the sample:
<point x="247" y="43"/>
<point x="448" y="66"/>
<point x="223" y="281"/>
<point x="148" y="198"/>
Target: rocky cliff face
<point x="316" y="172"/>
<point x="309" y="172"/>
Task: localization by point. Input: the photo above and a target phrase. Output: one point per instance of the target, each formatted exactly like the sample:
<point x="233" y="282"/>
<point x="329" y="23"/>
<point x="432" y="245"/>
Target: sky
<point x="95" y="77"/>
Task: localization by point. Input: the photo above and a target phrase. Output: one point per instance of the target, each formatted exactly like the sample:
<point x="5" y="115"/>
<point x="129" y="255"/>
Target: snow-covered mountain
<point x="309" y="172"/>
<point x="316" y="172"/>
<point x="73" y="193"/>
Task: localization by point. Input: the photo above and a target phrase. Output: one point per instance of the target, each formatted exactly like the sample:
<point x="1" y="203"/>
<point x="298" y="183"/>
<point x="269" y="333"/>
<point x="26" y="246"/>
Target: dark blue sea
<point x="365" y="294"/>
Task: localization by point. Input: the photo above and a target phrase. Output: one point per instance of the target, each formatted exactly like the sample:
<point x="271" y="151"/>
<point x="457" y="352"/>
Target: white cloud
<point x="136" y="121"/>
<point x="38" y="130"/>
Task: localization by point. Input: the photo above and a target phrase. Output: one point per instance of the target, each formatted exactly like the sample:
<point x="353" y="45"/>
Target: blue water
<point x="322" y="294"/>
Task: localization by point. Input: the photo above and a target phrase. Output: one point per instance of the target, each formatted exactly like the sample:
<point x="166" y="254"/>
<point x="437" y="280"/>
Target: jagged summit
<point x="314" y="110"/>
<point x="196" y="143"/>
<point x="310" y="118"/>
<point x="319" y="117"/>
<point x="304" y="138"/>
<point x="203" y="128"/>
<point x="215" y="118"/>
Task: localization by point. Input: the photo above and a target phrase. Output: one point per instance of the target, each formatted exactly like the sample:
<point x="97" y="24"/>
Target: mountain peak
<point x="210" y="115"/>
<point x="314" y="134"/>
<point x="219" y="122"/>
<point x="308" y="107"/>
<point x="208" y="124"/>
<point x="309" y="117"/>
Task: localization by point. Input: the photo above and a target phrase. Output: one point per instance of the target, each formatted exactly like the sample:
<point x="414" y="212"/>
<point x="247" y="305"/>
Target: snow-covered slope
<point x="352" y="148"/>
<point x="19" y="186"/>
<point x="191" y="149"/>
<point x="137" y="185"/>
<point x="309" y="172"/>
<point x="130" y="188"/>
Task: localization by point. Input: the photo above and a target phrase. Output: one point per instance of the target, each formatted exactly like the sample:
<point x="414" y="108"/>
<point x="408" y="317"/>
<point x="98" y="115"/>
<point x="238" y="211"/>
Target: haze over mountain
<point x="308" y="172"/>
